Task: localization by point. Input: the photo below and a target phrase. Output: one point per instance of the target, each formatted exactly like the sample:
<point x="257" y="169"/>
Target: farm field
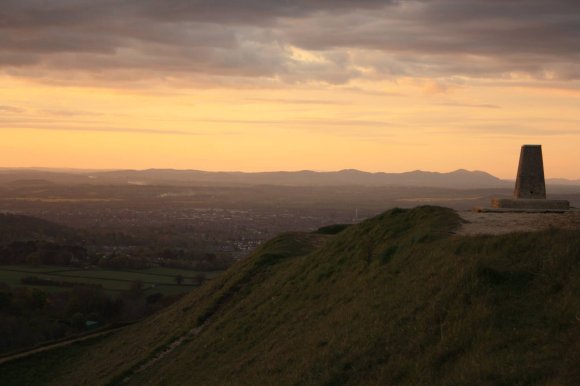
<point x="161" y="280"/>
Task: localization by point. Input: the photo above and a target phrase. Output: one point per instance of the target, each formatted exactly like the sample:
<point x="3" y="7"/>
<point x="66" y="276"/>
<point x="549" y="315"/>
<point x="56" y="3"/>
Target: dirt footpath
<point x="498" y="223"/>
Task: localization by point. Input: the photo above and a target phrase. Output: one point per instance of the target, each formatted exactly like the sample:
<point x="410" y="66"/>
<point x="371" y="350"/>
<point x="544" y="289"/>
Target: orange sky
<point x="322" y="109"/>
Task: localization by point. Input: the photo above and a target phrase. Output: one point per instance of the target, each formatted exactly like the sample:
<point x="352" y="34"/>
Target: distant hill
<point x="563" y="181"/>
<point x="39" y="177"/>
<point x="14" y="227"/>
<point x="456" y="179"/>
<point x="395" y="300"/>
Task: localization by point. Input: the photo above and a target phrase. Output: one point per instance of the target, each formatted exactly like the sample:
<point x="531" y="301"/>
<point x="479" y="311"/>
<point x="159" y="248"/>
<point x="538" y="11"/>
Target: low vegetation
<point x="397" y="299"/>
<point x="45" y="268"/>
<point x="44" y="303"/>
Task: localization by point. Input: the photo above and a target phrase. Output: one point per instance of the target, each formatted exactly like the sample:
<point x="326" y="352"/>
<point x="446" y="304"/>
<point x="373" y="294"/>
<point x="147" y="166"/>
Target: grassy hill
<point x="397" y="299"/>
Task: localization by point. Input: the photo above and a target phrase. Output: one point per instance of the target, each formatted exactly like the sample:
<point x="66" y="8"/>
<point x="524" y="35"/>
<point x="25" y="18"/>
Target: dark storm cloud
<point x="252" y="38"/>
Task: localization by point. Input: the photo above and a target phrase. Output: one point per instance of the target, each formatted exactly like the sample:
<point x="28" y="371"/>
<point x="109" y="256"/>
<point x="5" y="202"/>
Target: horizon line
<point x="99" y="170"/>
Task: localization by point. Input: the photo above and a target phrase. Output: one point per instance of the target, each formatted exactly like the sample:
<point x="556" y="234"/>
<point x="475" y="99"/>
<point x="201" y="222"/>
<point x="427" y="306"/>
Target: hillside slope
<point x="397" y="299"/>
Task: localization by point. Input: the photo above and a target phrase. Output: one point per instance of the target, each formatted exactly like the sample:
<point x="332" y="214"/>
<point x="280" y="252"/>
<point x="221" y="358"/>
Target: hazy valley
<point x="101" y="253"/>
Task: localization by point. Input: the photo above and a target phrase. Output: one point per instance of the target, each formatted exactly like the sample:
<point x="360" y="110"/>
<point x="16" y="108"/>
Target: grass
<point x="43" y="368"/>
<point x="398" y="299"/>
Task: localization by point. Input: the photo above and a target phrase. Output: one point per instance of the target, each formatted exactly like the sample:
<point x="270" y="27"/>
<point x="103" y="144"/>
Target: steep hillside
<point x="397" y="299"/>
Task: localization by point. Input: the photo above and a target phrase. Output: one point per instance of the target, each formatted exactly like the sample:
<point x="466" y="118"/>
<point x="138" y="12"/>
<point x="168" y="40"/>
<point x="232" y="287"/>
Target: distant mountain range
<point x="457" y="179"/>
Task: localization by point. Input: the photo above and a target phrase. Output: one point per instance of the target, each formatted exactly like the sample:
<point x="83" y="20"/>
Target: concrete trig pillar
<point x="530" y="191"/>
<point x="530" y="183"/>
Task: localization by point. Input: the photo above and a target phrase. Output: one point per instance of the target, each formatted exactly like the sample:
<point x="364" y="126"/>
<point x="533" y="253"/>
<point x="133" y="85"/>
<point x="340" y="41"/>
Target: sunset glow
<point x="373" y="86"/>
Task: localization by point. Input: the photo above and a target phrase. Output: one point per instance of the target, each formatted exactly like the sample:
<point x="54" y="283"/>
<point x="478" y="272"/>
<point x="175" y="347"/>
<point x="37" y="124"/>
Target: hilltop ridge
<point x="460" y="178"/>
<point x="396" y="299"/>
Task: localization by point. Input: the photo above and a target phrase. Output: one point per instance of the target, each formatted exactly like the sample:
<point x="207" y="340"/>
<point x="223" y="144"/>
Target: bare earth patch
<point x="498" y="223"/>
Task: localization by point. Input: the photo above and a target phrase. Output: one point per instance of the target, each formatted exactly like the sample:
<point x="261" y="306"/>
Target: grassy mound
<point x="397" y="299"/>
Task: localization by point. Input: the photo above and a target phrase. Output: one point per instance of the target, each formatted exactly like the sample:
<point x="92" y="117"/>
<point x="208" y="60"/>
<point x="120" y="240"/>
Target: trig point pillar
<point x="530" y="181"/>
<point x="530" y="191"/>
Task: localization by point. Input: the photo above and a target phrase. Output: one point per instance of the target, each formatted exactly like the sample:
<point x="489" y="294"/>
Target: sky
<point x="258" y="85"/>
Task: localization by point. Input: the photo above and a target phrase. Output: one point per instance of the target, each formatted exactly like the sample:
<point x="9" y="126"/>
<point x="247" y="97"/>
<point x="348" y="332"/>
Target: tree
<point x="198" y="279"/>
<point x="135" y="289"/>
<point x="78" y="321"/>
<point x="179" y="279"/>
<point x="34" y="259"/>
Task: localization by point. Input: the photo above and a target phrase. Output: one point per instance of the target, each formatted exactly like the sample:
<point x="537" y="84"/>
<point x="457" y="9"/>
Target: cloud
<point x="541" y="127"/>
<point x="359" y="128"/>
<point x="39" y="13"/>
<point x="471" y="105"/>
<point x="233" y="41"/>
<point x="299" y="101"/>
<point x="107" y="129"/>
<point x="11" y="109"/>
<point x="477" y="38"/>
<point x="80" y="121"/>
